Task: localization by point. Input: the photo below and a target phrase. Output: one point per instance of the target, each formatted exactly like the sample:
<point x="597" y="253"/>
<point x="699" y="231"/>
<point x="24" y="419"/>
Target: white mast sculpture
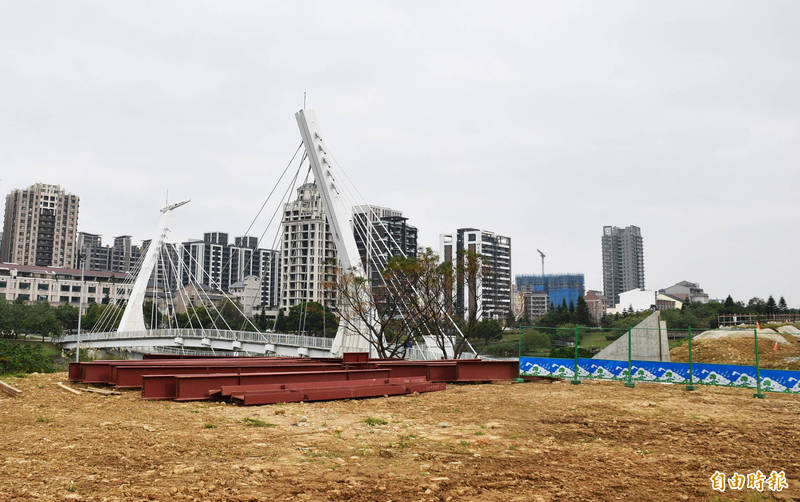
<point x="133" y="317"/>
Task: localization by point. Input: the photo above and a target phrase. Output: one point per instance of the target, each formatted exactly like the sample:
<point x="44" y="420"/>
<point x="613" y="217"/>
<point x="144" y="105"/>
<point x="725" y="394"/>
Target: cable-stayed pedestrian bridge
<point x="184" y="317"/>
<point x="205" y="340"/>
<point x="215" y="341"/>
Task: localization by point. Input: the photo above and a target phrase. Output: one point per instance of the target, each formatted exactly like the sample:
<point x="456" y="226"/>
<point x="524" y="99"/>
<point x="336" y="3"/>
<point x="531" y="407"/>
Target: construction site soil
<point x="535" y="441"/>
<point x="784" y="355"/>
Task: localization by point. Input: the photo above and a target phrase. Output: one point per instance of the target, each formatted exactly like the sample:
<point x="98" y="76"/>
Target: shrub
<point x="19" y="357"/>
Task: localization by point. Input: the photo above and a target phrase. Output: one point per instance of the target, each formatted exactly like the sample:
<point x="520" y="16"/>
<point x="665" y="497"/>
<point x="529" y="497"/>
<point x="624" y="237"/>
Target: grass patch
<point x="372" y="421"/>
<point x="44" y="420"/>
<point x="479" y="433"/>
<point x="404" y="441"/>
<point x="209" y="426"/>
<point x="254" y="422"/>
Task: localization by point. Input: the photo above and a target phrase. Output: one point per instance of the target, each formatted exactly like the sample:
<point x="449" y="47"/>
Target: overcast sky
<point x="542" y="121"/>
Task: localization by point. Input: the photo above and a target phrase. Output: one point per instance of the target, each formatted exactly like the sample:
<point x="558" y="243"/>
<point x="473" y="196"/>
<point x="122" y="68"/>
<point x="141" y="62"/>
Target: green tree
<point x="756" y="305"/>
<point x="67" y="315"/>
<point x="782" y="305"/>
<point x="311" y="318"/>
<point x="582" y="315"/>
<point x="487" y="331"/>
<point x="771" y="307"/>
<point x="41" y="319"/>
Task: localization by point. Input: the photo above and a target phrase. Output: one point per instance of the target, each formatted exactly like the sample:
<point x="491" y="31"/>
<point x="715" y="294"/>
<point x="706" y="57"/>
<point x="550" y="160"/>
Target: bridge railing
<point x="211" y="334"/>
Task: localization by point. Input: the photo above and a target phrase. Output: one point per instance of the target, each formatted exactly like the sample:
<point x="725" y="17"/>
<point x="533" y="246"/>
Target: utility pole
<point x="80" y="306"/>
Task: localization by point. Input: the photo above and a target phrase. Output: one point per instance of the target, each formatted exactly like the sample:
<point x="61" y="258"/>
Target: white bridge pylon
<point x="133" y="317"/>
<point x="339" y="214"/>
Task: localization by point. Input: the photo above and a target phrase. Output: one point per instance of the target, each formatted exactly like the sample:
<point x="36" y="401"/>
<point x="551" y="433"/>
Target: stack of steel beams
<point x="265" y="380"/>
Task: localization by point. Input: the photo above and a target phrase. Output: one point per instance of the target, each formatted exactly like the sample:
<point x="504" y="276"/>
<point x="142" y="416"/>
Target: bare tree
<point x="413" y="306"/>
<point x="373" y="313"/>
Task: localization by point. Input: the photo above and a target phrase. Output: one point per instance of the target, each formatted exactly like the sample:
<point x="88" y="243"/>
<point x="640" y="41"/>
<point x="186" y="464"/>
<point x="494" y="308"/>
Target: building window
<point x="23" y="296"/>
<point x="76" y="289"/>
<point x="2" y="284"/>
<point x="43" y="287"/>
<point x="105" y="291"/>
<point x="24" y="285"/>
<point x="76" y="299"/>
<point x="41" y="298"/>
<point x="92" y="289"/>
<point x="63" y="299"/>
<point x="64" y="287"/>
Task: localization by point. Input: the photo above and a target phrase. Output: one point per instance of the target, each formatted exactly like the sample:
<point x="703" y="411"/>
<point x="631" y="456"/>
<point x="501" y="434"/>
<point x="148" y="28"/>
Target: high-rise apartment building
<point x="215" y="263"/>
<point x="623" y="261"/>
<point x="308" y="267"/>
<point x="124" y="255"/>
<point x="390" y="235"/>
<point x="92" y="255"/>
<point x="490" y="298"/>
<point x="40" y="227"/>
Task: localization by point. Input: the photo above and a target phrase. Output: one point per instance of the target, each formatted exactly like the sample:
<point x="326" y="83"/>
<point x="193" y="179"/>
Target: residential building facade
<point x="124" y="255"/>
<point x="216" y="263"/>
<point x="308" y="266"/>
<point x="596" y="303"/>
<point x="57" y="286"/>
<point x="381" y="233"/>
<point x="40" y="227"/>
<point x="623" y="260"/>
<point x="492" y="290"/>
<point x="536" y="304"/>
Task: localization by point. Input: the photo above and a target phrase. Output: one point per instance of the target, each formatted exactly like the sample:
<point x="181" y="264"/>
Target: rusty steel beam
<point x="486" y="371"/>
<point x="130" y="377"/>
<point x="190" y="388"/>
<point x="198" y="386"/>
<point x="103" y="371"/>
<point x="228" y="390"/>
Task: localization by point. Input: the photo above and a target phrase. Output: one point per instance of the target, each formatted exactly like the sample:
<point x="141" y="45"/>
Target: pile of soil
<point x="775" y="351"/>
<point x="503" y="442"/>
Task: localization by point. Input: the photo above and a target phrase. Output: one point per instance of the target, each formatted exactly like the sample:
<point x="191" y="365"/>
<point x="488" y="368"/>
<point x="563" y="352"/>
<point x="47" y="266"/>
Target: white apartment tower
<point x="308" y="254"/>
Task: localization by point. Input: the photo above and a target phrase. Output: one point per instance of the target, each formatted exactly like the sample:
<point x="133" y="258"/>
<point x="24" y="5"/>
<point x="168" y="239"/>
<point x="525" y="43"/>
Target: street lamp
<point x="80" y="306"/>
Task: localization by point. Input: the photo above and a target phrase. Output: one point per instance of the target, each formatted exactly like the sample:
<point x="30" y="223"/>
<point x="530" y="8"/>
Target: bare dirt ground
<point x="509" y="442"/>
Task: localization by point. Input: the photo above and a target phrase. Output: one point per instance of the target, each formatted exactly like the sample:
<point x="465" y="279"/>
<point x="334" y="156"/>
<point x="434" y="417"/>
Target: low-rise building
<point x="635" y="300"/>
<point x="58" y="286"/>
<point x="668" y="302"/>
<point x="596" y="303"/>
<point x="247" y="293"/>
<point x="536" y="304"/>
<point x="197" y="295"/>
<point x="686" y="291"/>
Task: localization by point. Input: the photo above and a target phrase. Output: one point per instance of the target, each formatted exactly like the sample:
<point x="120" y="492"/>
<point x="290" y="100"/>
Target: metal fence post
<point x="691" y="374"/>
<point x="629" y="383"/>
<point x="519" y="378"/>
<point x="575" y="380"/>
<point x="758" y="393"/>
